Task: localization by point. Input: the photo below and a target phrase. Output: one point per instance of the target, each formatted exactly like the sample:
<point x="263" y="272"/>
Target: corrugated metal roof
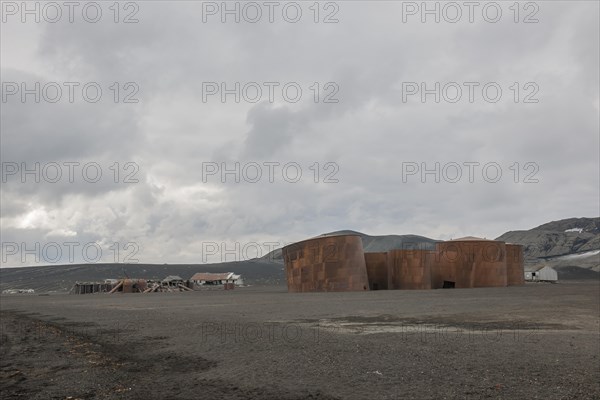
<point x="534" y="268"/>
<point x="172" y="278"/>
<point x="208" y="276"/>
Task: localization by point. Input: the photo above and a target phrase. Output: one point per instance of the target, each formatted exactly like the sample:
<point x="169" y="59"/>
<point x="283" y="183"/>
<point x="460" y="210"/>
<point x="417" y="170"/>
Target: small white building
<point x="542" y="273"/>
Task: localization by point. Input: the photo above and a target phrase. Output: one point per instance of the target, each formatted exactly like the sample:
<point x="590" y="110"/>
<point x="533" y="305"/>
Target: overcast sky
<point x="358" y="118"/>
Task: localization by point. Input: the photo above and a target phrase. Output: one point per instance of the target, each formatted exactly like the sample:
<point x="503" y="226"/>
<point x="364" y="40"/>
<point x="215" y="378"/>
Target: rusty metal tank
<point x="377" y="270"/>
<point x="326" y="264"/>
<point x="410" y="269"/>
<point x="515" y="265"/>
<point x="469" y="262"/>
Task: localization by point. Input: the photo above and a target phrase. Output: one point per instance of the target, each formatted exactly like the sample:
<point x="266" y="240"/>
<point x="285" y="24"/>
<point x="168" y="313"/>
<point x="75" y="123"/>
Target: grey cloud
<point x="368" y="134"/>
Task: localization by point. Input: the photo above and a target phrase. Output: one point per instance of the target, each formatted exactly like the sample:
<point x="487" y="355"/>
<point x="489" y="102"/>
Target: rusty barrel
<point x="410" y="269"/>
<point x="515" y="267"/>
<point x="470" y="263"/>
<point x="326" y="264"/>
<point x="377" y="270"/>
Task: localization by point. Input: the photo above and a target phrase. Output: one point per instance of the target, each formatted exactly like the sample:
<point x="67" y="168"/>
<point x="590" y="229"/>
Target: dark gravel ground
<point x="539" y="341"/>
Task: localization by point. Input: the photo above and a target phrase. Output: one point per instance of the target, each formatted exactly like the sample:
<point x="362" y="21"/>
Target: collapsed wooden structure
<point x="162" y="286"/>
<point x="128" y="285"/>
<point x="91" y="287"/>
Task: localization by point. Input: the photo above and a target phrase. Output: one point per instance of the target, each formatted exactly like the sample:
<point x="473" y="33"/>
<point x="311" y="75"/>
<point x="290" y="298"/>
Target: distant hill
<point x="566" y="245"/>
<point x="589" y="225"/>
<point x="372" y="243"/>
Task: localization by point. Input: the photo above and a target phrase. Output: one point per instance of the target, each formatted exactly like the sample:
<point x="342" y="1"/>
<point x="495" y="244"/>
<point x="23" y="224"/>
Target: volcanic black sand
<point x="538" y="341"/>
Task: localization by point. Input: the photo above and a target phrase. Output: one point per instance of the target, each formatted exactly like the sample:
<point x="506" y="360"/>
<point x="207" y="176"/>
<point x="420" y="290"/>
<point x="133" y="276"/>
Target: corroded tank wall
<point x="515" y="265"/>
<point x="410" y="269"/>
<point x="377" y="270"/>
<point x="326" y="264"/>
<point x="470" y="263"/>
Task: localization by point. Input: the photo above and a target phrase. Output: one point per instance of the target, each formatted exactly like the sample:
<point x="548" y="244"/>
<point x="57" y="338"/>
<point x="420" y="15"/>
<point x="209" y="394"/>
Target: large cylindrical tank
<point x="467" y="263"/>
<point x="377" y="270"/>
<point x="326" y="264"/>
<point x="410" y="269"/>
<point x="515" y="265"/>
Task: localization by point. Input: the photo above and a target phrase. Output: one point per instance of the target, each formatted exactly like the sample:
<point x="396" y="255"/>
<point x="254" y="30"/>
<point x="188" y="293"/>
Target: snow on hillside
<point x="578" y="230"/>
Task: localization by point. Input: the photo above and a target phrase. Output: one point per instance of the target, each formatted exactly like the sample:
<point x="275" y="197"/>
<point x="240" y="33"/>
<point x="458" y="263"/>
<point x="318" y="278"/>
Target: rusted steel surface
<point x="410" y="269"/>
<point x="337" y="263"/>
<point x="326" y="264"/>
<point x="470" y="263"/>
<point x="515" y="267"/>
<point x="377" y="270"/>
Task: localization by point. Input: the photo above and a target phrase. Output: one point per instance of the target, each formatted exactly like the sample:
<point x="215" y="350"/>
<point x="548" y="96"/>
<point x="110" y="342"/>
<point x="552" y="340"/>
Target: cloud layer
<point x="213" y="123"/>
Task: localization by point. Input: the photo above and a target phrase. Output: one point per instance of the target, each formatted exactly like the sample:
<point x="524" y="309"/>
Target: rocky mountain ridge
<point x="563" y="243"/>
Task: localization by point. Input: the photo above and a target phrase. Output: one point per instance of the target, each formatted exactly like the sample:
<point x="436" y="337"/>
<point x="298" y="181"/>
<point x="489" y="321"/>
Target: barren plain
<point x="538" y="341"/>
